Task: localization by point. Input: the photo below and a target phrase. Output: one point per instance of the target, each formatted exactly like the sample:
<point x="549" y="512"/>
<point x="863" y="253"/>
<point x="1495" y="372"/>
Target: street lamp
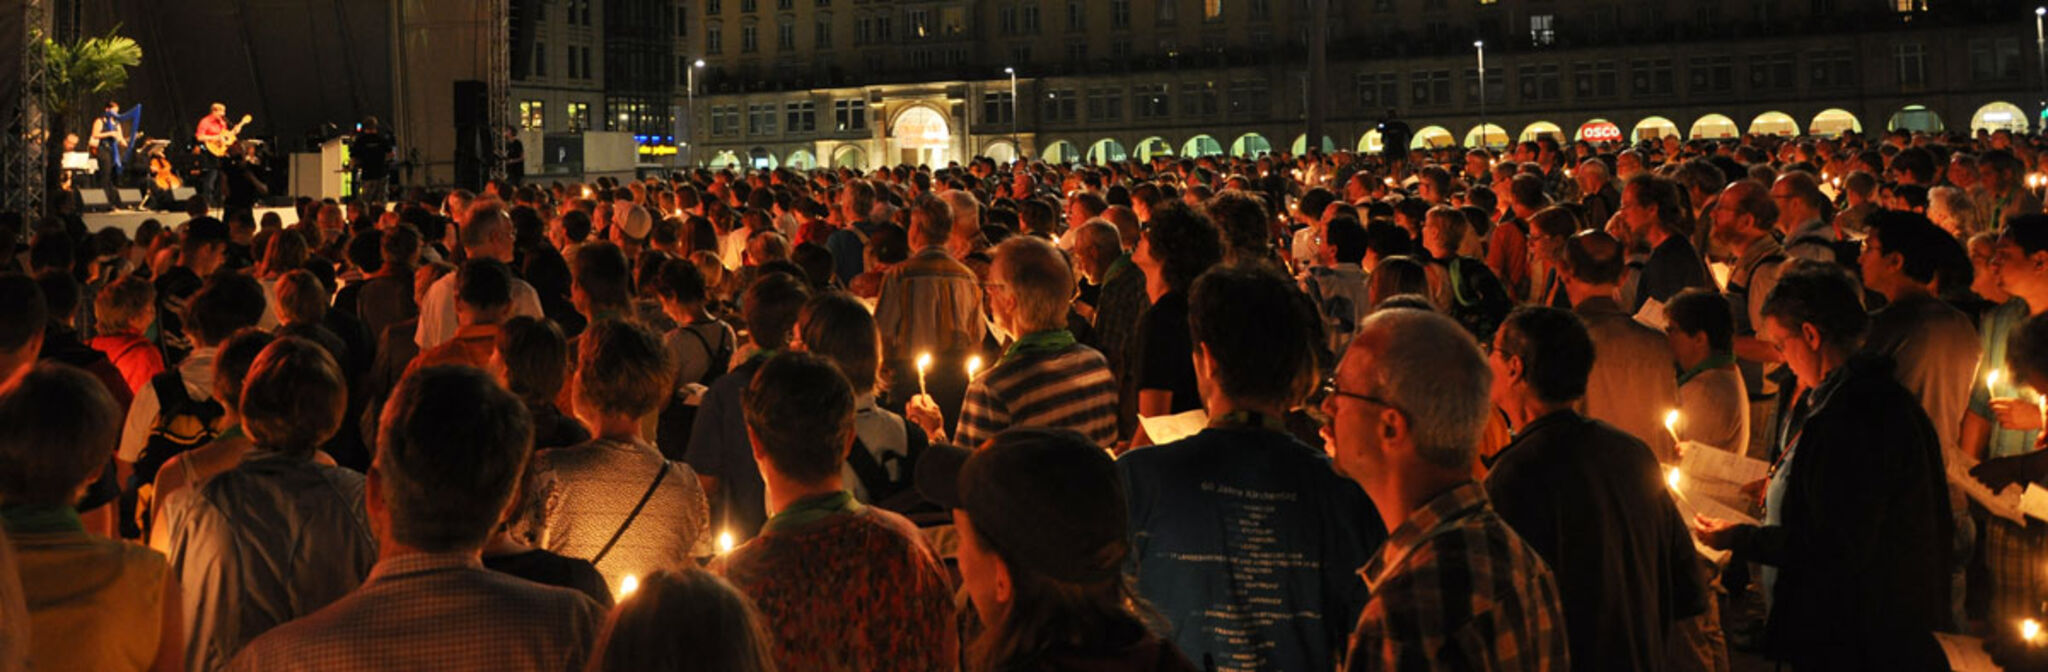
<point x="1016" y="145"/>
<point x="2041" y="56"/>
<point x="691" y="158"/>
<point x="1480" y="45"/>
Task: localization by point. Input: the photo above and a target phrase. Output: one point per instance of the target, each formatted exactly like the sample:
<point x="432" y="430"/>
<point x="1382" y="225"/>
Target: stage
<point x="130" y="220"/>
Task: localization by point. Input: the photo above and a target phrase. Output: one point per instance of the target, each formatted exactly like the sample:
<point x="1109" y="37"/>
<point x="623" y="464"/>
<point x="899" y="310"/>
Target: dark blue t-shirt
<point x="1250" y="544"/>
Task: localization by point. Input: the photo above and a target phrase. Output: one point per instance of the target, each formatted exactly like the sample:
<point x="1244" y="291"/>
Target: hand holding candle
<point x="628" y="585"/>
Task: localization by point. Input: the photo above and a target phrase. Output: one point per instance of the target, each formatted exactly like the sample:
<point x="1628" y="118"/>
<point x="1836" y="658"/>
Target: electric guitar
<point x="218" y="146"/>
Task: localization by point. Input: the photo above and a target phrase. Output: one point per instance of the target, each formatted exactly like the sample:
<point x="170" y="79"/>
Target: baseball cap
<point x="637" y="223"/>
<point x="1047" y="500"/>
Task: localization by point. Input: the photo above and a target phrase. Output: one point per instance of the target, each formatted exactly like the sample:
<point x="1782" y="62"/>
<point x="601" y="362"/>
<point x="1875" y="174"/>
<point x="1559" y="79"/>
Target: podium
<point x="324" y="174"/>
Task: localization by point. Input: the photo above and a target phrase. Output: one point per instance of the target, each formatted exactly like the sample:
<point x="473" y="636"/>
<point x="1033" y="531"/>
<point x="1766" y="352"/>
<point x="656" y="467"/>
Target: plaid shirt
<point x="436" y="612"/>
<point x="1455" y="589"/>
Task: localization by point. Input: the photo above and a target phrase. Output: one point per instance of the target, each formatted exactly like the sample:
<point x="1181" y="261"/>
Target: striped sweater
<point x="1068" y="388"/>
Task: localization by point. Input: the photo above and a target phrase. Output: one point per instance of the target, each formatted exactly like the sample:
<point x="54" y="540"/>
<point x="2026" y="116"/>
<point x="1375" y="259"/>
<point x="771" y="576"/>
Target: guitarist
<point x="213" y="129"/>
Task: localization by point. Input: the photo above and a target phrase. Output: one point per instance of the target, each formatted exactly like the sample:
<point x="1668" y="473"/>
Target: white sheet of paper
<point x="1965" y="654"/>
<point x="2004" y="503"/>
<point x="2034" y="502"/>
<point x="1171" y="428"/>
<point x="1714" y="464"/>
<point x="1688" y="513"/>
<point x="1652" y="314"/>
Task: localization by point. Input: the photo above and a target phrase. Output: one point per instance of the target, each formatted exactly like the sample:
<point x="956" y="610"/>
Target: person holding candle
<point x="1934" y="347"/>
<point x="1857" y="532"/>
<point x="1046" y="378"/>
<point x="1712" y="407"/>
<point x="842" y="585"/>
<point x="1589" y="498"/>
<point x="1631" y="385"/>
<point x="930" y="303"/>
<point x="2004" y="420"/>
<point x="450" y="452"/>
<point x="879" y="469"/>
<point x="614" y="500"/>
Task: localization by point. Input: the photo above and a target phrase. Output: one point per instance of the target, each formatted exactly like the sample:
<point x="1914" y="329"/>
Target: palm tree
<point x="87" y="67"/>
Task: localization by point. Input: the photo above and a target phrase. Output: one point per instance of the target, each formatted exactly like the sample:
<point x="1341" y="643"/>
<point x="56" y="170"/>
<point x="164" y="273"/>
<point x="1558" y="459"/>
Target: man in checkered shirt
<point x="1453" y="588"/>
<point x="453" y="443"/>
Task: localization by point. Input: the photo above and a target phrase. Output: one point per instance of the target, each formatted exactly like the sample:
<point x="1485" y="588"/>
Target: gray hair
<point x="966" y="210"/>
<point x="1101" y="239"/>
<point x="1039" y="279"/>
<point x="1952" y="205"/>
<point x="1430" y="368"/>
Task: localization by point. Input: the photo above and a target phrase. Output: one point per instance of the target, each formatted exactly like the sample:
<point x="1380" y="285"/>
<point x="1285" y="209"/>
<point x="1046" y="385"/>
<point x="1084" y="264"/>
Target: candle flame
<point x="973" y="366"/>
<point x="725" y="541"/>
<point x="2030" y="630"/>
<point x="1674" y="478"/>
<point x="1991" y="379"/>
<point x="1671" y="421"/>
<point x="924" y="361"/>
<point x="626" y="587"/>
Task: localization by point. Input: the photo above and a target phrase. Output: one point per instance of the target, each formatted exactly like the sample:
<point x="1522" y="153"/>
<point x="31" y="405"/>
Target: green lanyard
<point x="1713" y="361"/>
<point x="1053" y="340"/>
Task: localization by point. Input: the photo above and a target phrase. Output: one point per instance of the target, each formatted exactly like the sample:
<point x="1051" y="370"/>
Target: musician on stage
<point x="109" y="144"/>
<point x="370" y="153"/>
<point x="213" y="129"/>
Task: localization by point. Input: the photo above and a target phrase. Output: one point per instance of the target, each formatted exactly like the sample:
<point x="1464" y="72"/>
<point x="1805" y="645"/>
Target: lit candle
<point x="924" y="361"/>
<point x="586" y="192"/>
<point x="2030" y="631"/>
<point x="725" y="542"/>
<point x="626" y="587"/>
<point x="1991" y="380"/>
<point x="973" y="366"/>
<point x="1673" y="479"/>
<point x="1671" y="423"/>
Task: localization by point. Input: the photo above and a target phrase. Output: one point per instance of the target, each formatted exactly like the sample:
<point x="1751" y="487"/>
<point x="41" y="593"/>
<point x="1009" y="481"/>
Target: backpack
<point x="679" y="417"/>
<point x="1478" y="299"/>
<point x="182" y="423"/>
<point x="899" y="494"/>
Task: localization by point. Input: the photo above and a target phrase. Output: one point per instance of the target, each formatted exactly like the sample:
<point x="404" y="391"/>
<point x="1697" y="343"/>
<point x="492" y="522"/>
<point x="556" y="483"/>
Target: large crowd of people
<point x="1421" y="410"/>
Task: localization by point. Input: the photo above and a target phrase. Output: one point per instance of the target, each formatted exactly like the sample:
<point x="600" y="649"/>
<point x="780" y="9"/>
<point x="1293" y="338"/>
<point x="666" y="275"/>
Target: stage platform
<point x="130" y="220"/>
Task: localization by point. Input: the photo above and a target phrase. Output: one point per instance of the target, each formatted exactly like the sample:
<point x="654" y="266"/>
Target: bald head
<point x="1430" y="368"/>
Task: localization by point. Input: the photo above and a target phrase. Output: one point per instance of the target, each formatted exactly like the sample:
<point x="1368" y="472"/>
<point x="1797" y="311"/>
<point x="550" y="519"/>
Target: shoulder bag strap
<point x="635" y="514"/>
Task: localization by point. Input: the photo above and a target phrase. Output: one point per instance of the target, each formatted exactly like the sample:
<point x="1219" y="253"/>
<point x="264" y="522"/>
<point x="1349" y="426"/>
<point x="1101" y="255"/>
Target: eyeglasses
<point x="1330" y="391"/>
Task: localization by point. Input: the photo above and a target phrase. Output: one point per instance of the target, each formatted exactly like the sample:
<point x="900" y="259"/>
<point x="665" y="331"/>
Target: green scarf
<point x="1052" y="340"/>
<point x="1713" y="361"/>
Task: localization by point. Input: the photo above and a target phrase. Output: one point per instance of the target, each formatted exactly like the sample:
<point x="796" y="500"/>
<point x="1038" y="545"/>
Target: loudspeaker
<point x="95" y="200"/>
<point x="182" y="194"/>
<point x="129" y="197"/>
<point x="472" y="102"/>
<point x="472" y="123"/>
